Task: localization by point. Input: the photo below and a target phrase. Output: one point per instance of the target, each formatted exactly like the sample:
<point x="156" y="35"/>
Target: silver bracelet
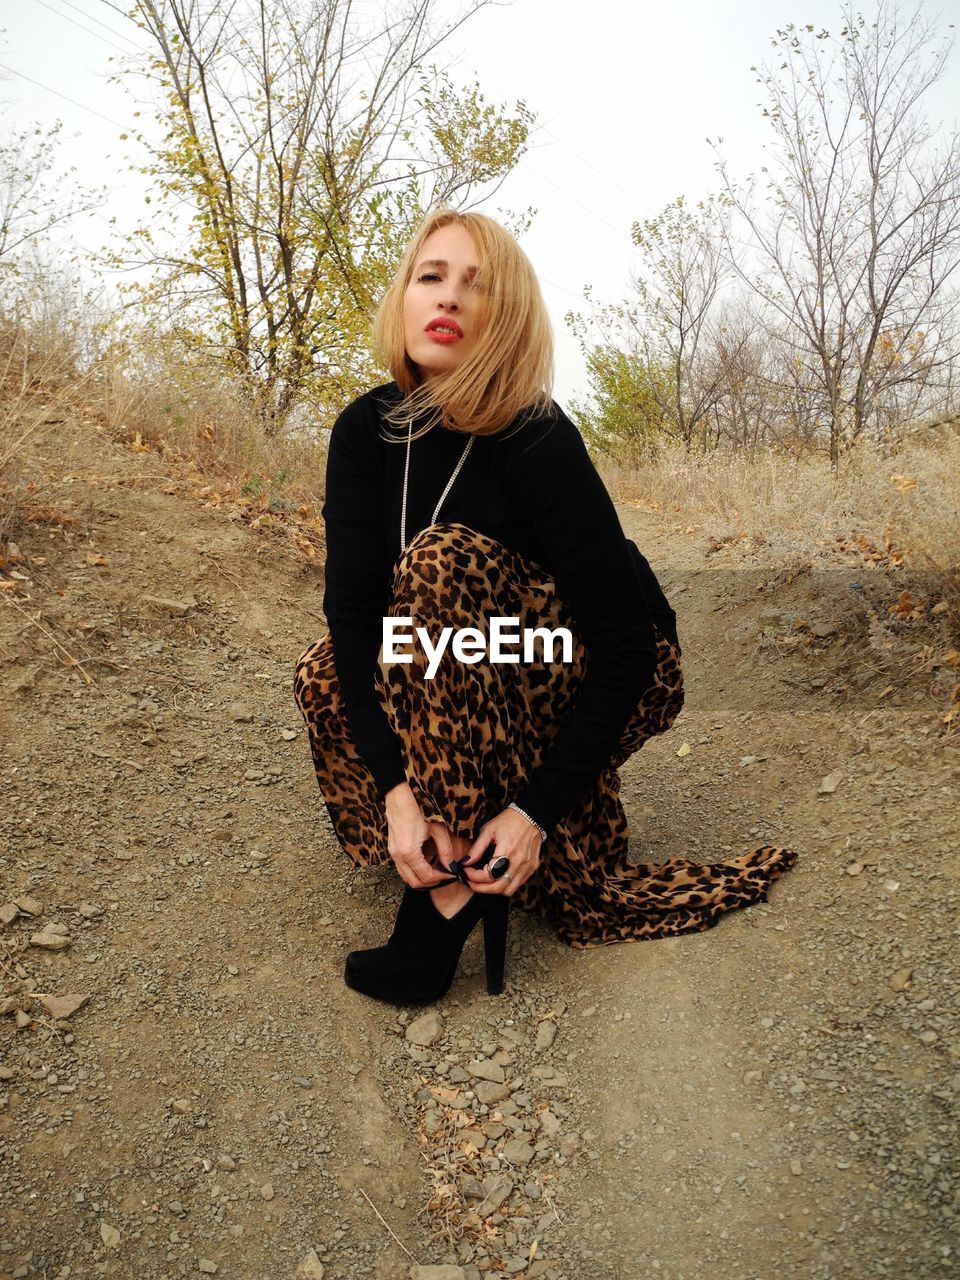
<point x="543" y="834"/>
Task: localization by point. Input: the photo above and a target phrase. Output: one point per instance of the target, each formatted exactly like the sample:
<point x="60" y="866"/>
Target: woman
<point x="488" y="781"/>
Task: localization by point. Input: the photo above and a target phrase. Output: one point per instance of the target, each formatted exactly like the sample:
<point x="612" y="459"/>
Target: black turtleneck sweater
<point x="535" y="490"/>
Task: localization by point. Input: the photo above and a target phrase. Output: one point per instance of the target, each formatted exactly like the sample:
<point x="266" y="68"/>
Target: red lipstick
<point x="438" y="326"/>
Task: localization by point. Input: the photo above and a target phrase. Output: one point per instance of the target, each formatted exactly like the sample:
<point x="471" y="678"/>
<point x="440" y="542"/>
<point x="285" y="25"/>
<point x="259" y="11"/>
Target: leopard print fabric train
<point x="475" y="732"/>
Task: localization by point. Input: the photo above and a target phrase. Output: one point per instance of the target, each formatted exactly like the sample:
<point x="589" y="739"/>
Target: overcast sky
<point x="625" y="97"/>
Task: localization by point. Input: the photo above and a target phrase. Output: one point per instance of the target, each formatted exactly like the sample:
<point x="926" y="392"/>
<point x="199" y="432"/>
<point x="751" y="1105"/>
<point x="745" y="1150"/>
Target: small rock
<point x="9" y="912"/>
<point x="50" y="939"/>
<point x="549" y="1124"/>
<point x="176" y="608"/>
<point x="29" y="906"/>
<point x="498" y="1188"/>
<point x="62" y="1006"/>
<point x="546" y="1034"/>
<point x="445" y="1272"/>
<point x="207" y="1267"/>
<point x="569" y="1143"/>
<point x="425" y="1030"/>
<point x="829" y="784"/>
<point x="518" y="1152"/>
<point x="109" y="1235"/>
<point x="901" y="980"/>
<point x="486" y="1070"/>
<point x="854" y="869"/>
<point x="240" y="712"/>
<point x="309" y="1267"/>
<point x="489" y="1092"/>
<point x="267" y="1191"/>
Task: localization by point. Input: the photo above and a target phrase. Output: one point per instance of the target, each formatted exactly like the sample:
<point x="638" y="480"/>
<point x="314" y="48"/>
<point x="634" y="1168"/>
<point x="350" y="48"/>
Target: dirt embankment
<point x="777" y="1094"/>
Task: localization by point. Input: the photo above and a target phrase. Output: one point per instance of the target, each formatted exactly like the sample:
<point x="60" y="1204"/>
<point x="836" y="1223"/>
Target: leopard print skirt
<point x="473" y="734"/>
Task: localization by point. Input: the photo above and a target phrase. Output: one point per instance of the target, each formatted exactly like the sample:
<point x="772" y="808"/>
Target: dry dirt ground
<point x="774" y="1097"/>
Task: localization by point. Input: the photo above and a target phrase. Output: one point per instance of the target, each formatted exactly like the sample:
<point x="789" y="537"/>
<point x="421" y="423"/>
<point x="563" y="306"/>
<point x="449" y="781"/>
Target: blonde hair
<point x="509" y="373"/>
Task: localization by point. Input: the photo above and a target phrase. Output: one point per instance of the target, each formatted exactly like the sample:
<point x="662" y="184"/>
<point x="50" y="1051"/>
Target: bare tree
<point x="865" y="233"/>
<point x="678" y="293"/>
<point x="33" y="198"/>
<point x="734" y="362"/>
<point x="303" y="143"/>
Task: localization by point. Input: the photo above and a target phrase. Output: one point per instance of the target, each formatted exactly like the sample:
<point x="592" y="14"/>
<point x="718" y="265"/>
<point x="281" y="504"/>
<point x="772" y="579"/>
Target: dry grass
<point x="66" y="369"/>
<point x="195" y="415"/>
<point x="902" y="508"/>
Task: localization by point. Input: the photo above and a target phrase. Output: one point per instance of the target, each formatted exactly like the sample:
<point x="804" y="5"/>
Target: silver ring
<point x="506" y="876"/>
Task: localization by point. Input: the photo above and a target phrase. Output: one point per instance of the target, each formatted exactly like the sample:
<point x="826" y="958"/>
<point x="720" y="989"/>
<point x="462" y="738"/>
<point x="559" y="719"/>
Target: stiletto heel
<point x="496" y="921"/>
<point x="418" y="962"/>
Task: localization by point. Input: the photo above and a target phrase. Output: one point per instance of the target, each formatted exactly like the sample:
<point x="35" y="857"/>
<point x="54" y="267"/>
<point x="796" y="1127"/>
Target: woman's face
<point x="441" y="292"/>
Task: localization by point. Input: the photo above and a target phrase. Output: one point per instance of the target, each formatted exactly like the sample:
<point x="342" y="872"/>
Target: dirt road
<point x="776" y="1096"/>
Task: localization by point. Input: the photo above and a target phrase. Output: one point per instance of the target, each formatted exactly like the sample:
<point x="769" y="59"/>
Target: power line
<point x="567" y="196"/>
<point x="89" y="31"/>
<point x="573" y="151"/>
<point x="621" y="241"/>
<point x="105" y="26"/>
<point x="591" y="226"/>
<point x="553" y="285"/>
<point x="82" y="105"/>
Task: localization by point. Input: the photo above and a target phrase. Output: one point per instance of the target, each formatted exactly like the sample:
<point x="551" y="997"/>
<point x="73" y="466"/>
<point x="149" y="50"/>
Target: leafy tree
<point x="301" y="148"/>
<point x="626" y="417"/>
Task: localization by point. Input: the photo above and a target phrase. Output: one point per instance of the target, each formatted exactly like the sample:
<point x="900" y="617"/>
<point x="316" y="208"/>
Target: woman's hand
<point x="516" y="839"/>
<point x="407" y="832"/>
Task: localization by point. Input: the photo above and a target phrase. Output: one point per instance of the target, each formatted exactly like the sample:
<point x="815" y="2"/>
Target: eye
<point x="429" y="275"/>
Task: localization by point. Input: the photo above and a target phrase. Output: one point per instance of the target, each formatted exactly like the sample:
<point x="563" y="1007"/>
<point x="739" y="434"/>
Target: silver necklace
<point x="406" y="471"/>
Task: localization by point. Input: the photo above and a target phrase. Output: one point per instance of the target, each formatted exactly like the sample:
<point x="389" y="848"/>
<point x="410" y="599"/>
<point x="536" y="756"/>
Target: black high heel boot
<point x="418" y="963"/>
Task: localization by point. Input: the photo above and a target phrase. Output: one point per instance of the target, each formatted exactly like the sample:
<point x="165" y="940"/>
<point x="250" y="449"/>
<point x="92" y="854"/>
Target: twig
<point x="103" y="755"/>
<point x="387" y="1225"/>
<point x="699" y="652"/>
<point x="74" y="662"/>
<point x="552" y="1206"/>
<point x="220" y="569"/>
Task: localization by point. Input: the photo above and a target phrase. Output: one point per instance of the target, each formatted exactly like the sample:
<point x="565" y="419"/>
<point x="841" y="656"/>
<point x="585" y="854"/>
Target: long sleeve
<point x="356" y="589"/>
<point x="567" y="503"/>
